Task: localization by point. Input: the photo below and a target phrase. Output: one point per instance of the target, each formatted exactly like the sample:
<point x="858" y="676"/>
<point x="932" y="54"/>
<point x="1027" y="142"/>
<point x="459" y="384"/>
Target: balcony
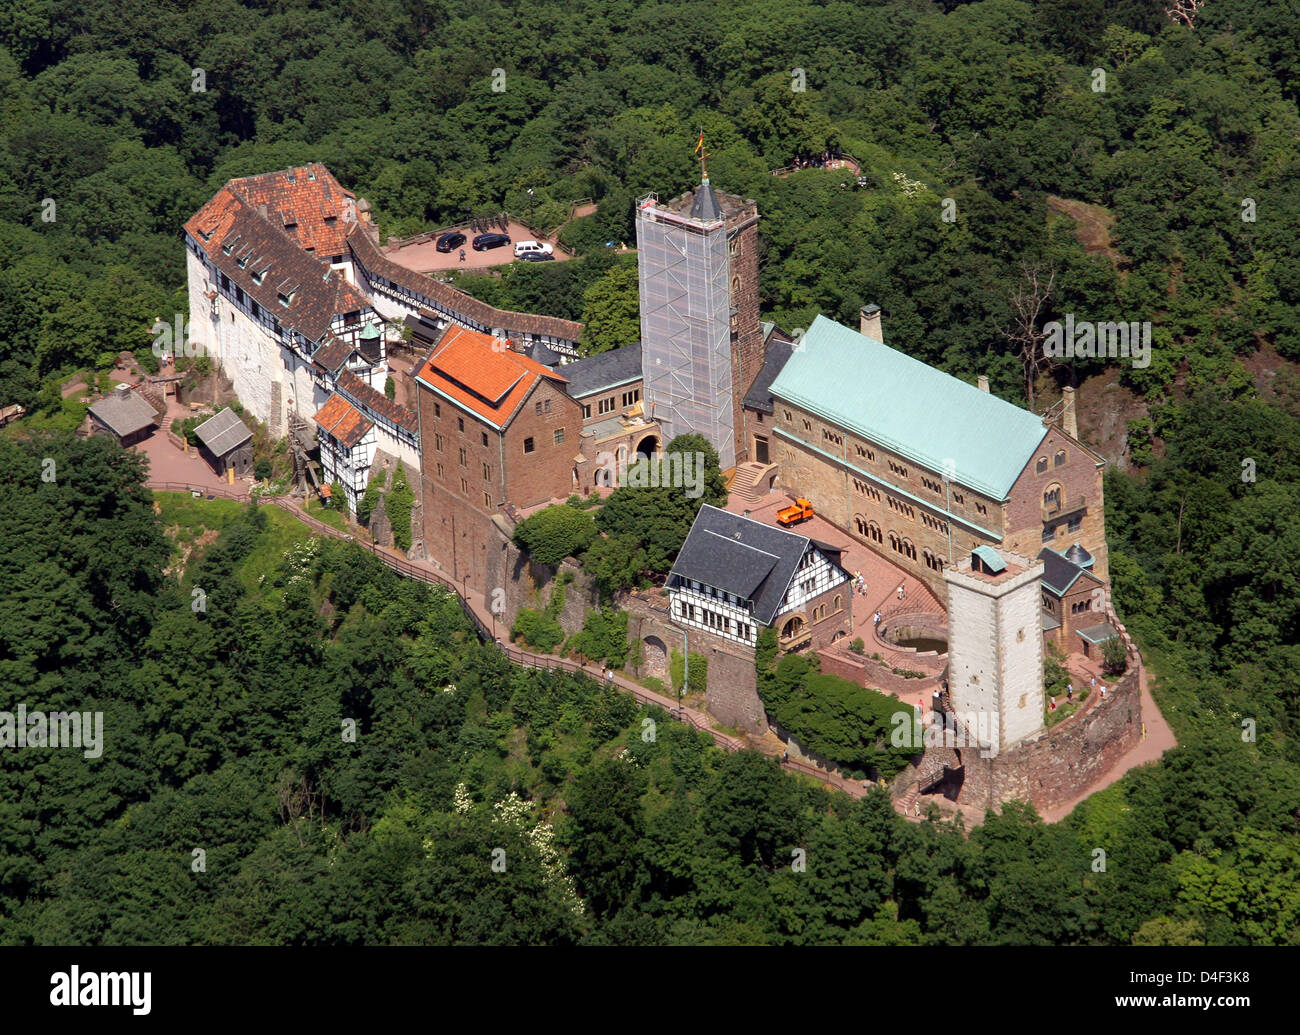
<point x="1058" y="509"/>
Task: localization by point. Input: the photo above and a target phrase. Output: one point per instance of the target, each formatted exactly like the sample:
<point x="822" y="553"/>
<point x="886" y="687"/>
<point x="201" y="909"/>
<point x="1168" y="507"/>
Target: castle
<point x="998" y="511"/>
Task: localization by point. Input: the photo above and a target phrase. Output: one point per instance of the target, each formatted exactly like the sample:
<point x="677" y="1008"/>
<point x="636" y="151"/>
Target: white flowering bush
<point x="300" y="561"/>
<point x="518" y="813"/>
<point x="908" y="186"/>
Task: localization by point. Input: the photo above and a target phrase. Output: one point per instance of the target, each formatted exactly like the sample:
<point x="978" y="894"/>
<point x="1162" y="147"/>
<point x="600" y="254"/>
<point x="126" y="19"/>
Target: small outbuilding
<point x="226" y="444"/>
<point x="123" y="415"/>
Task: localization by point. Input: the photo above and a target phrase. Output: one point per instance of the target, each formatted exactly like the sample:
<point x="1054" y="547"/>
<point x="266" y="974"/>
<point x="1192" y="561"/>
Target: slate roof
<point x="604" y="370"/>
<point x="742" y="556"/>
<point x="470" y="369"/>
<point x="343" y="420"/>
<point x="367" y="254"/>
<point x="333" y="354"/>
<point x="543" y="354"/>
<point x="704" y="206"/>
<point x="223" y="432"/>
<point x="1059" y="573"/>
<point x="124" y="413"/>
<point x="759" y="396"/>
<point x="377" y="401"/>
<point x="1099" y="633"/>
<point x="268" y="252"/>
<point x="910" y="407"/>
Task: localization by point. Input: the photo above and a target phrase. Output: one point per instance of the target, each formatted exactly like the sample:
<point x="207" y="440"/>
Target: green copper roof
<point x="991" y="558"/>
<point x="917" y="411"/>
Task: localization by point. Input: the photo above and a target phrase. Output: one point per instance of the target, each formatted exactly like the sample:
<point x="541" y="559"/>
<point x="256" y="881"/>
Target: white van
<point x="532" y="248"/>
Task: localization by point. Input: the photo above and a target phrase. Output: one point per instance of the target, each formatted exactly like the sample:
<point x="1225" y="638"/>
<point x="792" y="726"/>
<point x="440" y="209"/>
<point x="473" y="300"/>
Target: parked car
<point x="451" y="240"/>
<point x="483" y="241"/>
<point x="537" y="257"/>
<point x="523" y="248"/>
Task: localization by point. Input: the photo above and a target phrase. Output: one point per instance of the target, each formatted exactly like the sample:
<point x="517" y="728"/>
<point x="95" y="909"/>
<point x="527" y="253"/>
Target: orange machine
<point x="801" y="510"/>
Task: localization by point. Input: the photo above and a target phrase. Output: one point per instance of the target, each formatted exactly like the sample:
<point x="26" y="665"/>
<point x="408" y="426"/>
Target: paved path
<point x="1159" y="739"/>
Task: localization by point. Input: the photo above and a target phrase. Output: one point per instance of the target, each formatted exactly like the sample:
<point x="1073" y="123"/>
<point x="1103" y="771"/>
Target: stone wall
<point x="732" y="692"/>
<point x="1059" y="763"/>
<point x="514" y="582"/>
<point x="866" y="672"/>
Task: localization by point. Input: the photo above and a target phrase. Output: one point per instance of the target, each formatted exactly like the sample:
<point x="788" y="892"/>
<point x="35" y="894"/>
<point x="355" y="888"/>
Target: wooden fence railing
<point x="517" y="655"/>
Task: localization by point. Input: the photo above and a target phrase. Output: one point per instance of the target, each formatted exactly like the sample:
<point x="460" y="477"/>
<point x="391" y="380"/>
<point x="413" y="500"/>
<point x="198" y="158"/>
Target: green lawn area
<point x="330" y="517"/>
<point x="193" y="517"/>
<point x="67" y="418"/>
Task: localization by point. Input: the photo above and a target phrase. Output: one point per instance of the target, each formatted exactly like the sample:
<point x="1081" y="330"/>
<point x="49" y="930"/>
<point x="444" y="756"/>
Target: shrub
<point x="538" y="629"/>
<point x="555" y="533"/>
<point x="848" y="724"/>
<point x="698" y="677"/>
<point x="390" y="388"/>
<point x="857" y="646"/>
<point x="398" y="505"/>
<point x="370" y="499"/>
<point x="603" y="637"/>
<point x="262" y="468"/>
<point x="1114" y="656"/>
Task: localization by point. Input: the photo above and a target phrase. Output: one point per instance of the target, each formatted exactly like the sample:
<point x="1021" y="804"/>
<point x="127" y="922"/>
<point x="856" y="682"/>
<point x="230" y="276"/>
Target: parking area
<point x="422" y="255"/>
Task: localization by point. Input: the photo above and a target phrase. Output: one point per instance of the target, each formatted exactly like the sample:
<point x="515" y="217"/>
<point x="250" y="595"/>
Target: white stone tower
<point x="995" y="646"/>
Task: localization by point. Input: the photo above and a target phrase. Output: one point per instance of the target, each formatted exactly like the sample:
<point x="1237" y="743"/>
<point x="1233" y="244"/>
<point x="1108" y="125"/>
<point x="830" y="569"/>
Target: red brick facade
<point x="746" y="322"/>
<point x="1074" y="511"/>
<point x="470" y="469"/>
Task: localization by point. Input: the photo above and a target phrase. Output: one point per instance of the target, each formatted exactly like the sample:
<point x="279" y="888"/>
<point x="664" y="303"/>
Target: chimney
<point x="1069" y="423"/>
<point x="984" y="382"/>
<point x="869" y="322"/>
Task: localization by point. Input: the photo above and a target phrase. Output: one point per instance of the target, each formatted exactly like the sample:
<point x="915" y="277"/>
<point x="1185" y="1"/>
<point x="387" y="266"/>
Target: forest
<point x="325" y="754"/>
<point x="1170" y="194"/>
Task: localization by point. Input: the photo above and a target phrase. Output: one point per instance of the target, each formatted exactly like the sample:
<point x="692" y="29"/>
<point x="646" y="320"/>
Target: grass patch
<point x="327" y="515"/>
<point x="189" y="519"/>
<point x="67" y="417"/>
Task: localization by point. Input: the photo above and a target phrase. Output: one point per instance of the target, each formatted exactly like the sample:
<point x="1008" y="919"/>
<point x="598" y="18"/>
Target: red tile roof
<point x="377" y="401"/>
<point x="476" y="371"/>
<point x="307" y="203"/>
<point x="343" y="420"/>
<point x="317" y="294"/>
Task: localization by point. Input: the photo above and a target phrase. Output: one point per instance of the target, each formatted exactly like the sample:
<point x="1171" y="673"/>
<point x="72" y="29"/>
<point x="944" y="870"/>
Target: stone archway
<point x="647" y="447"/>
<point x="654" y="657"/>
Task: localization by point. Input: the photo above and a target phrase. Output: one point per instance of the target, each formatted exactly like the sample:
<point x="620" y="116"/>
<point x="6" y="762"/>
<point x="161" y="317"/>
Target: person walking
<point x="877" y="619"/>
<point x="900" y="591"/>
<point x="462" y="255"/>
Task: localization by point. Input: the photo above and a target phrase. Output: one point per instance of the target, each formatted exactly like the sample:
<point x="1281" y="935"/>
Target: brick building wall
<point x="746" y="322"/>
<point x="848" y="479"/>
<point x="469" y="468"/>
<point x="1079" y="476"/>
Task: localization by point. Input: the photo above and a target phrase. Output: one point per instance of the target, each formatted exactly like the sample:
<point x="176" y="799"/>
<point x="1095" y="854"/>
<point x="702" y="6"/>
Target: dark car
<point x="449" y="241"/>
<point x="483" y="241"/>
<point x="537" y="257"/>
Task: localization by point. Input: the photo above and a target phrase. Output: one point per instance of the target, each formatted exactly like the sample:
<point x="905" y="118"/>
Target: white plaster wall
<point x="1020" y="632"/>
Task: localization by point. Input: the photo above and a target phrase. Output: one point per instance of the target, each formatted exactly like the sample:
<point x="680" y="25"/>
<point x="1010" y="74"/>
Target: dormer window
<point x="283" y="299"/>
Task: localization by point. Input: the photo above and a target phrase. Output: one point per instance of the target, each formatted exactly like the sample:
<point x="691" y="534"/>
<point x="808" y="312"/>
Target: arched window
<point x="1041" y="466"/>
<point x="873" y="530"/>
<point x="1052" y="497"/>
<point x="1059" y="459"/>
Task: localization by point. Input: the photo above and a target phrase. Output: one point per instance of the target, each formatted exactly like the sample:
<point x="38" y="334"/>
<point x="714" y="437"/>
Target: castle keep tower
<point x="702" y="341"/>
<point x="995" y="645"/>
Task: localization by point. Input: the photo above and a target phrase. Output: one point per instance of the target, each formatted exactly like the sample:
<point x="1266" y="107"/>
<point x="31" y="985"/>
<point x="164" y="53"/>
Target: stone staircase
<point x="746" y="482"/>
